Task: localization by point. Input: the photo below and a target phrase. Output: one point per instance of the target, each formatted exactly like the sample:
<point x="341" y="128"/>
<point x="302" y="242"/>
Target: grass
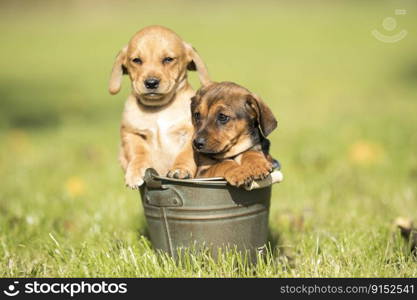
<point x="346" y="105"/>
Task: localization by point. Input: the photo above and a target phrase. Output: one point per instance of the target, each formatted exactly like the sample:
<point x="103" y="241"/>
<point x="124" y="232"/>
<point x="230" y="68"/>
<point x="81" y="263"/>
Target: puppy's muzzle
<point x="151" y="83"/>
<point x="199" y="143"/>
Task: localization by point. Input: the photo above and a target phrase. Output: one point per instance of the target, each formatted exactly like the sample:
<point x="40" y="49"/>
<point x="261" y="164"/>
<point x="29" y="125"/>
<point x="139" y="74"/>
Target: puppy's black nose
<point x="151" y="83"/>
<point x="199" y="143"/>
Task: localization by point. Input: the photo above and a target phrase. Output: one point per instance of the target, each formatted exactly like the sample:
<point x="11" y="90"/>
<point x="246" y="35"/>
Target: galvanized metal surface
<point x="204" y="212"/>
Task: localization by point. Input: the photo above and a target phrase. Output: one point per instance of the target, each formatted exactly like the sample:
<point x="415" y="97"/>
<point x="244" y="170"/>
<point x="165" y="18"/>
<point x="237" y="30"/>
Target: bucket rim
<point x="216" y="181"/>
<point x="152" y="178"/>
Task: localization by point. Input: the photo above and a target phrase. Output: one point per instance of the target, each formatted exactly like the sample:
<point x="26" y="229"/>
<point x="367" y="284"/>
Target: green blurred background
<point x="346" y="103"/>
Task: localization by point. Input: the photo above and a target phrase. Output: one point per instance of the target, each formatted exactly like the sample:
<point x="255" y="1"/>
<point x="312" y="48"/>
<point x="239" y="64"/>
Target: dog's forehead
<point x="226" y="94"/>
<point x="156" y="39"/>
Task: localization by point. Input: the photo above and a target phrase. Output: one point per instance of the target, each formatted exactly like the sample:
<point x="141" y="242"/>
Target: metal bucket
<point x="205" y="213"/>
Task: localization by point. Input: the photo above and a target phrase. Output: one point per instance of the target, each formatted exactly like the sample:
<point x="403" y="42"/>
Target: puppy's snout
<point x="151" y="83"/>
<point x="199" y="143"/>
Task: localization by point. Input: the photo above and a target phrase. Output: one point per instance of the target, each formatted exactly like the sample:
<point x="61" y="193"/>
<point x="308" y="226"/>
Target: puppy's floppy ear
<point x="266" y="120"/>
<point x="195" y="63"/>
<point x="196" y="99"/>
<point x="194" y="102"/>
<point x="118" y="71"/>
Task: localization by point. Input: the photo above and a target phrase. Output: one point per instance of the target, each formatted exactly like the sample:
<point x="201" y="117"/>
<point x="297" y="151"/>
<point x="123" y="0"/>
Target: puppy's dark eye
<point x="137" y="60"/>
<point x="197" y="116"/>
<point x="167" y="60"/>
<point x="222" y="118"/>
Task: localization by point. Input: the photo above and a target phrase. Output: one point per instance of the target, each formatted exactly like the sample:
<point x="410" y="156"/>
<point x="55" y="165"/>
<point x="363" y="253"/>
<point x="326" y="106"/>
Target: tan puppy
<point x="231" y="125"/>
<point x="156" y="125"/>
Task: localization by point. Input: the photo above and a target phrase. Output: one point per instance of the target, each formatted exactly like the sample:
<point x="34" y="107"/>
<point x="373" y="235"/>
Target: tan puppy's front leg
<point x="253" y="165"/>
<point x="135" y="154"/>
<point x="228" y="169"/>
<point x="185" y="165"/>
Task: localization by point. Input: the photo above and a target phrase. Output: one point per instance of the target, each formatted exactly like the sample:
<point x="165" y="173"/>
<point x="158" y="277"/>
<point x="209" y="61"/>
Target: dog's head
<point x="156" y="60"/>
<point x="228" y="120"/>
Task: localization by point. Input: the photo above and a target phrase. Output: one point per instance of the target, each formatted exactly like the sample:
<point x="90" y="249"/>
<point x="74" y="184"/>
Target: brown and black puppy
<point x="231" y="125"/>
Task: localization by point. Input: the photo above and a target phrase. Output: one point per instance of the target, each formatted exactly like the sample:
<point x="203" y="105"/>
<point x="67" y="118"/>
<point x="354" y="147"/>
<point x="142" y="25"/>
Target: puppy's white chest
<point x="170" y="132"/>
<point x="165" y="132"/>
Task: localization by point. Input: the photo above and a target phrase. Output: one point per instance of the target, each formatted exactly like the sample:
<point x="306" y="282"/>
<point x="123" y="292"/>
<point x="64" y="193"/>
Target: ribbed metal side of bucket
<point x="183" y="214"/>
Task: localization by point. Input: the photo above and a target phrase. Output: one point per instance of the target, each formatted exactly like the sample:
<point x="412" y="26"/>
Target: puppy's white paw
<point x="179" y="173"/>
<point x="134" y="177"/>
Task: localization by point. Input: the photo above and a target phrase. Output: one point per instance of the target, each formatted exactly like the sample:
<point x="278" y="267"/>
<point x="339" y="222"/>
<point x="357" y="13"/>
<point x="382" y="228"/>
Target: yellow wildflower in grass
<point x="365" y="153"/>
<point x="75" y="186"/>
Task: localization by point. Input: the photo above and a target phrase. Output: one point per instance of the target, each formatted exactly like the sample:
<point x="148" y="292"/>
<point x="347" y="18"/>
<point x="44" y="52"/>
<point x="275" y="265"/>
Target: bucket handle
<point x="150" y="181"/>
<point x="157" y="194"/>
